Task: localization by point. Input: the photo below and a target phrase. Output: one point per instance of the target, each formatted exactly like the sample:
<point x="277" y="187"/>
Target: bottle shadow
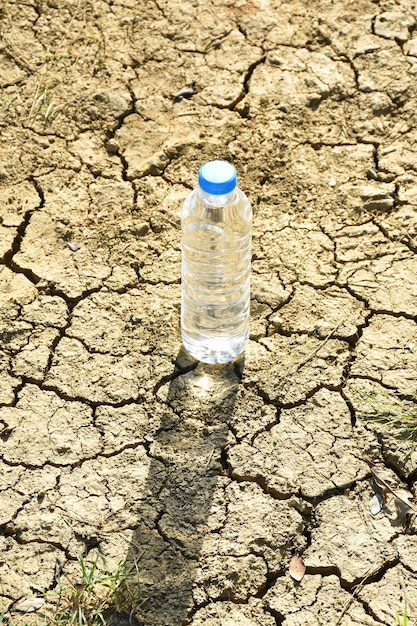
<point x="186" y="451"/>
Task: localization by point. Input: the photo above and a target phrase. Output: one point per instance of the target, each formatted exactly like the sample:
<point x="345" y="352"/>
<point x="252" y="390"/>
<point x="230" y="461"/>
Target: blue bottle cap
<point x="217" y="177"/>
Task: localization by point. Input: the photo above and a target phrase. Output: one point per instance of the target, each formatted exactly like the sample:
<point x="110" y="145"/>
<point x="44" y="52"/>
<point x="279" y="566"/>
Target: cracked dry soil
<point x="113" y="442"/>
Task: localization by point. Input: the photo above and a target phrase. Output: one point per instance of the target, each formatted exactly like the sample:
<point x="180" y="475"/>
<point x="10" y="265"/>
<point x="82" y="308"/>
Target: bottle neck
<point x="217" y="199"/>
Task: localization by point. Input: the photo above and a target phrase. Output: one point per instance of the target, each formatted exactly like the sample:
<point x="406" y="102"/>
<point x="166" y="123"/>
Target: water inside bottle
<point x="216" y="282"/>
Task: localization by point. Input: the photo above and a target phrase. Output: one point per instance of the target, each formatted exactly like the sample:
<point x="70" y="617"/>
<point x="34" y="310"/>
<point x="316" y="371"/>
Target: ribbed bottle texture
<point x="216" y="259"/>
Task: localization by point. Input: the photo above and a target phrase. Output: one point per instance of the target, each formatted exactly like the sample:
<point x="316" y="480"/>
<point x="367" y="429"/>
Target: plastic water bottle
<point x="216" y="257"/>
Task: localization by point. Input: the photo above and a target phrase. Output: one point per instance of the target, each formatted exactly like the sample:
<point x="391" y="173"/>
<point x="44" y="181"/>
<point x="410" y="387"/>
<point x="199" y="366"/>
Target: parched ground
<point x="113" y="442"/>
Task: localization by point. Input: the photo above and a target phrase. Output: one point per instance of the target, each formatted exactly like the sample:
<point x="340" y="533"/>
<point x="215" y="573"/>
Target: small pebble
<point x="74" y="246"/>
<point x="375" y="504"/>
<point x="112" y="146"/>
<point x="296" y="568"/>
<point x="332" y="182"/>
<point x="186" y="92"/>
<point x="372" y="174"/>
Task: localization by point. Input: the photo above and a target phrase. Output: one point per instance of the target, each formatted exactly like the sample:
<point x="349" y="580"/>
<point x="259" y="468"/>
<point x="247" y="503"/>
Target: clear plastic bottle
<point x="216" y="257"/>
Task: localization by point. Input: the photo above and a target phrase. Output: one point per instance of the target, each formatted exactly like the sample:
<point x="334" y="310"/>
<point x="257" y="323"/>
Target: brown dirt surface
<point x="113" y="442"/>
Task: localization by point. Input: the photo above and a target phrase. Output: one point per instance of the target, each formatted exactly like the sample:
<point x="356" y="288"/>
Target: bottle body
<point x="216" y="258"/>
